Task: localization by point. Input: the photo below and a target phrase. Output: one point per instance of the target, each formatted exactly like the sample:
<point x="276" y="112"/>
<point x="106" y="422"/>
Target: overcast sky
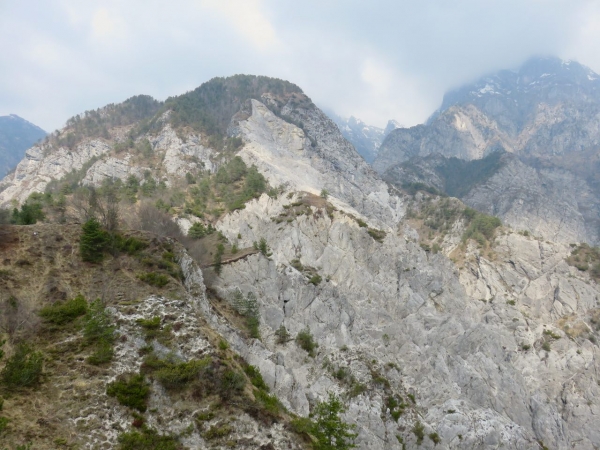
<point x="374" y="59"/>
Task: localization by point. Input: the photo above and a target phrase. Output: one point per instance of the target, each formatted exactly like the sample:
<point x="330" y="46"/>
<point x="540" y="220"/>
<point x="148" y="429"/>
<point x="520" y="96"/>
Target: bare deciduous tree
<point x="17" y="318"/>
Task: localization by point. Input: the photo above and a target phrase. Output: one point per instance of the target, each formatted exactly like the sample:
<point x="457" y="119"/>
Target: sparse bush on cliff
<point x="307" y="342"/>
<point x="131" y="391"/>
<point x="61" y="313"/>
<point x="23" y="368"/>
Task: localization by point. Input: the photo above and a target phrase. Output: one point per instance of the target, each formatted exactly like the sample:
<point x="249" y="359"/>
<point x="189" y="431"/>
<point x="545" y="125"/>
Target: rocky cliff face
<point x="544" y="199"/>
<point x="469" y="346"/>
<point x="547" y="113"/>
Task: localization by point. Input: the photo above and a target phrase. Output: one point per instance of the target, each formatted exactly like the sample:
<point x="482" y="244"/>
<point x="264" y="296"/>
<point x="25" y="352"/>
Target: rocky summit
<point x="224" y="270"/>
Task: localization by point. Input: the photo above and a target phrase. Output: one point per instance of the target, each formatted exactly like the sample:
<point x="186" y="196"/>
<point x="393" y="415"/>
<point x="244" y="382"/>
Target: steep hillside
<point x="547" y="113"/>
<point x="95" y="327"/>
<point x="433" y="324"/>
<point x="16" y="136"/>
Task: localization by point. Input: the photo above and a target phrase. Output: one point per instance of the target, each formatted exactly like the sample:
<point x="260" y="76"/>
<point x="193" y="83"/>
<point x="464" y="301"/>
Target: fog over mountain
<point x="546" y="116"/>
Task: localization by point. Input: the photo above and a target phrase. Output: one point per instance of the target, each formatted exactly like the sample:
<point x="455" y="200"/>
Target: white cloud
<point x="107" y="25"/>
<point x="374" y="60"/>
<point x="247" y="18"/>
<point x="377" y="76"/>
<point x="583" y="46"/>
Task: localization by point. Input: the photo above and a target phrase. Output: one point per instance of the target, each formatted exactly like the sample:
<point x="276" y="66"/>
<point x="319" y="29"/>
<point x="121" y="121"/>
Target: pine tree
<point x="329" y="429"/>
<point x="92" y="242"/>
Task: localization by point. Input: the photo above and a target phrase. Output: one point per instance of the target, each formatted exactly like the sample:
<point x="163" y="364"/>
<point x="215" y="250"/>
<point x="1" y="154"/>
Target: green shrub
<point x="150" y="326"/>
<point x="154" y="279"/>
<point x="552" y="334"/>
<point x="302" y="425"/>
<point x="342" y="373"/>
<point x="378" y="235"/>
<point x="147" y="439"/>
<point x="198" y="230"/>
<point x="263" y="247"/>
<point x="217" y="258"/>
<point x="270" y="403"/>
<point x="131" y="391"/>
<point x="546" y="346"/>
<point x="29" y="214"/>
<point x="217" y="431"/>
<point x="103" y="353"/>
<point x="315" y="280"/>
<point x="255" y="377"/>
<point x="396" y="406"/>
<point x="324" y="193"/>
<point x="413" y="188"/>
<point x="61" y="313"/>
<point x="482" y="226"/>
<point x="306" y="341"/>
<point x="232" y="383"/>
<point x="177" y="375"/>
<point x="361" y="223"/>
<point x="130" y="245"/>
<point x="93" y="241"/>
<point x="435" y="438"/>
<point x="23" y="368"/>
<point x="3" y="424"/>
<point x="97" y="326"/>
<point x="356" y="388"/>
<point x="419" y="431"/>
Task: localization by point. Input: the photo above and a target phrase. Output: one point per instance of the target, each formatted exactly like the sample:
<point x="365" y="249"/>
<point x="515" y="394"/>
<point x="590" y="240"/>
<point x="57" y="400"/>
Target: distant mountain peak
<point x="365" y="138"/>
<point x="538" y="80"/>
<point x="391" y="126"/>
<point x="16" y="136"/>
